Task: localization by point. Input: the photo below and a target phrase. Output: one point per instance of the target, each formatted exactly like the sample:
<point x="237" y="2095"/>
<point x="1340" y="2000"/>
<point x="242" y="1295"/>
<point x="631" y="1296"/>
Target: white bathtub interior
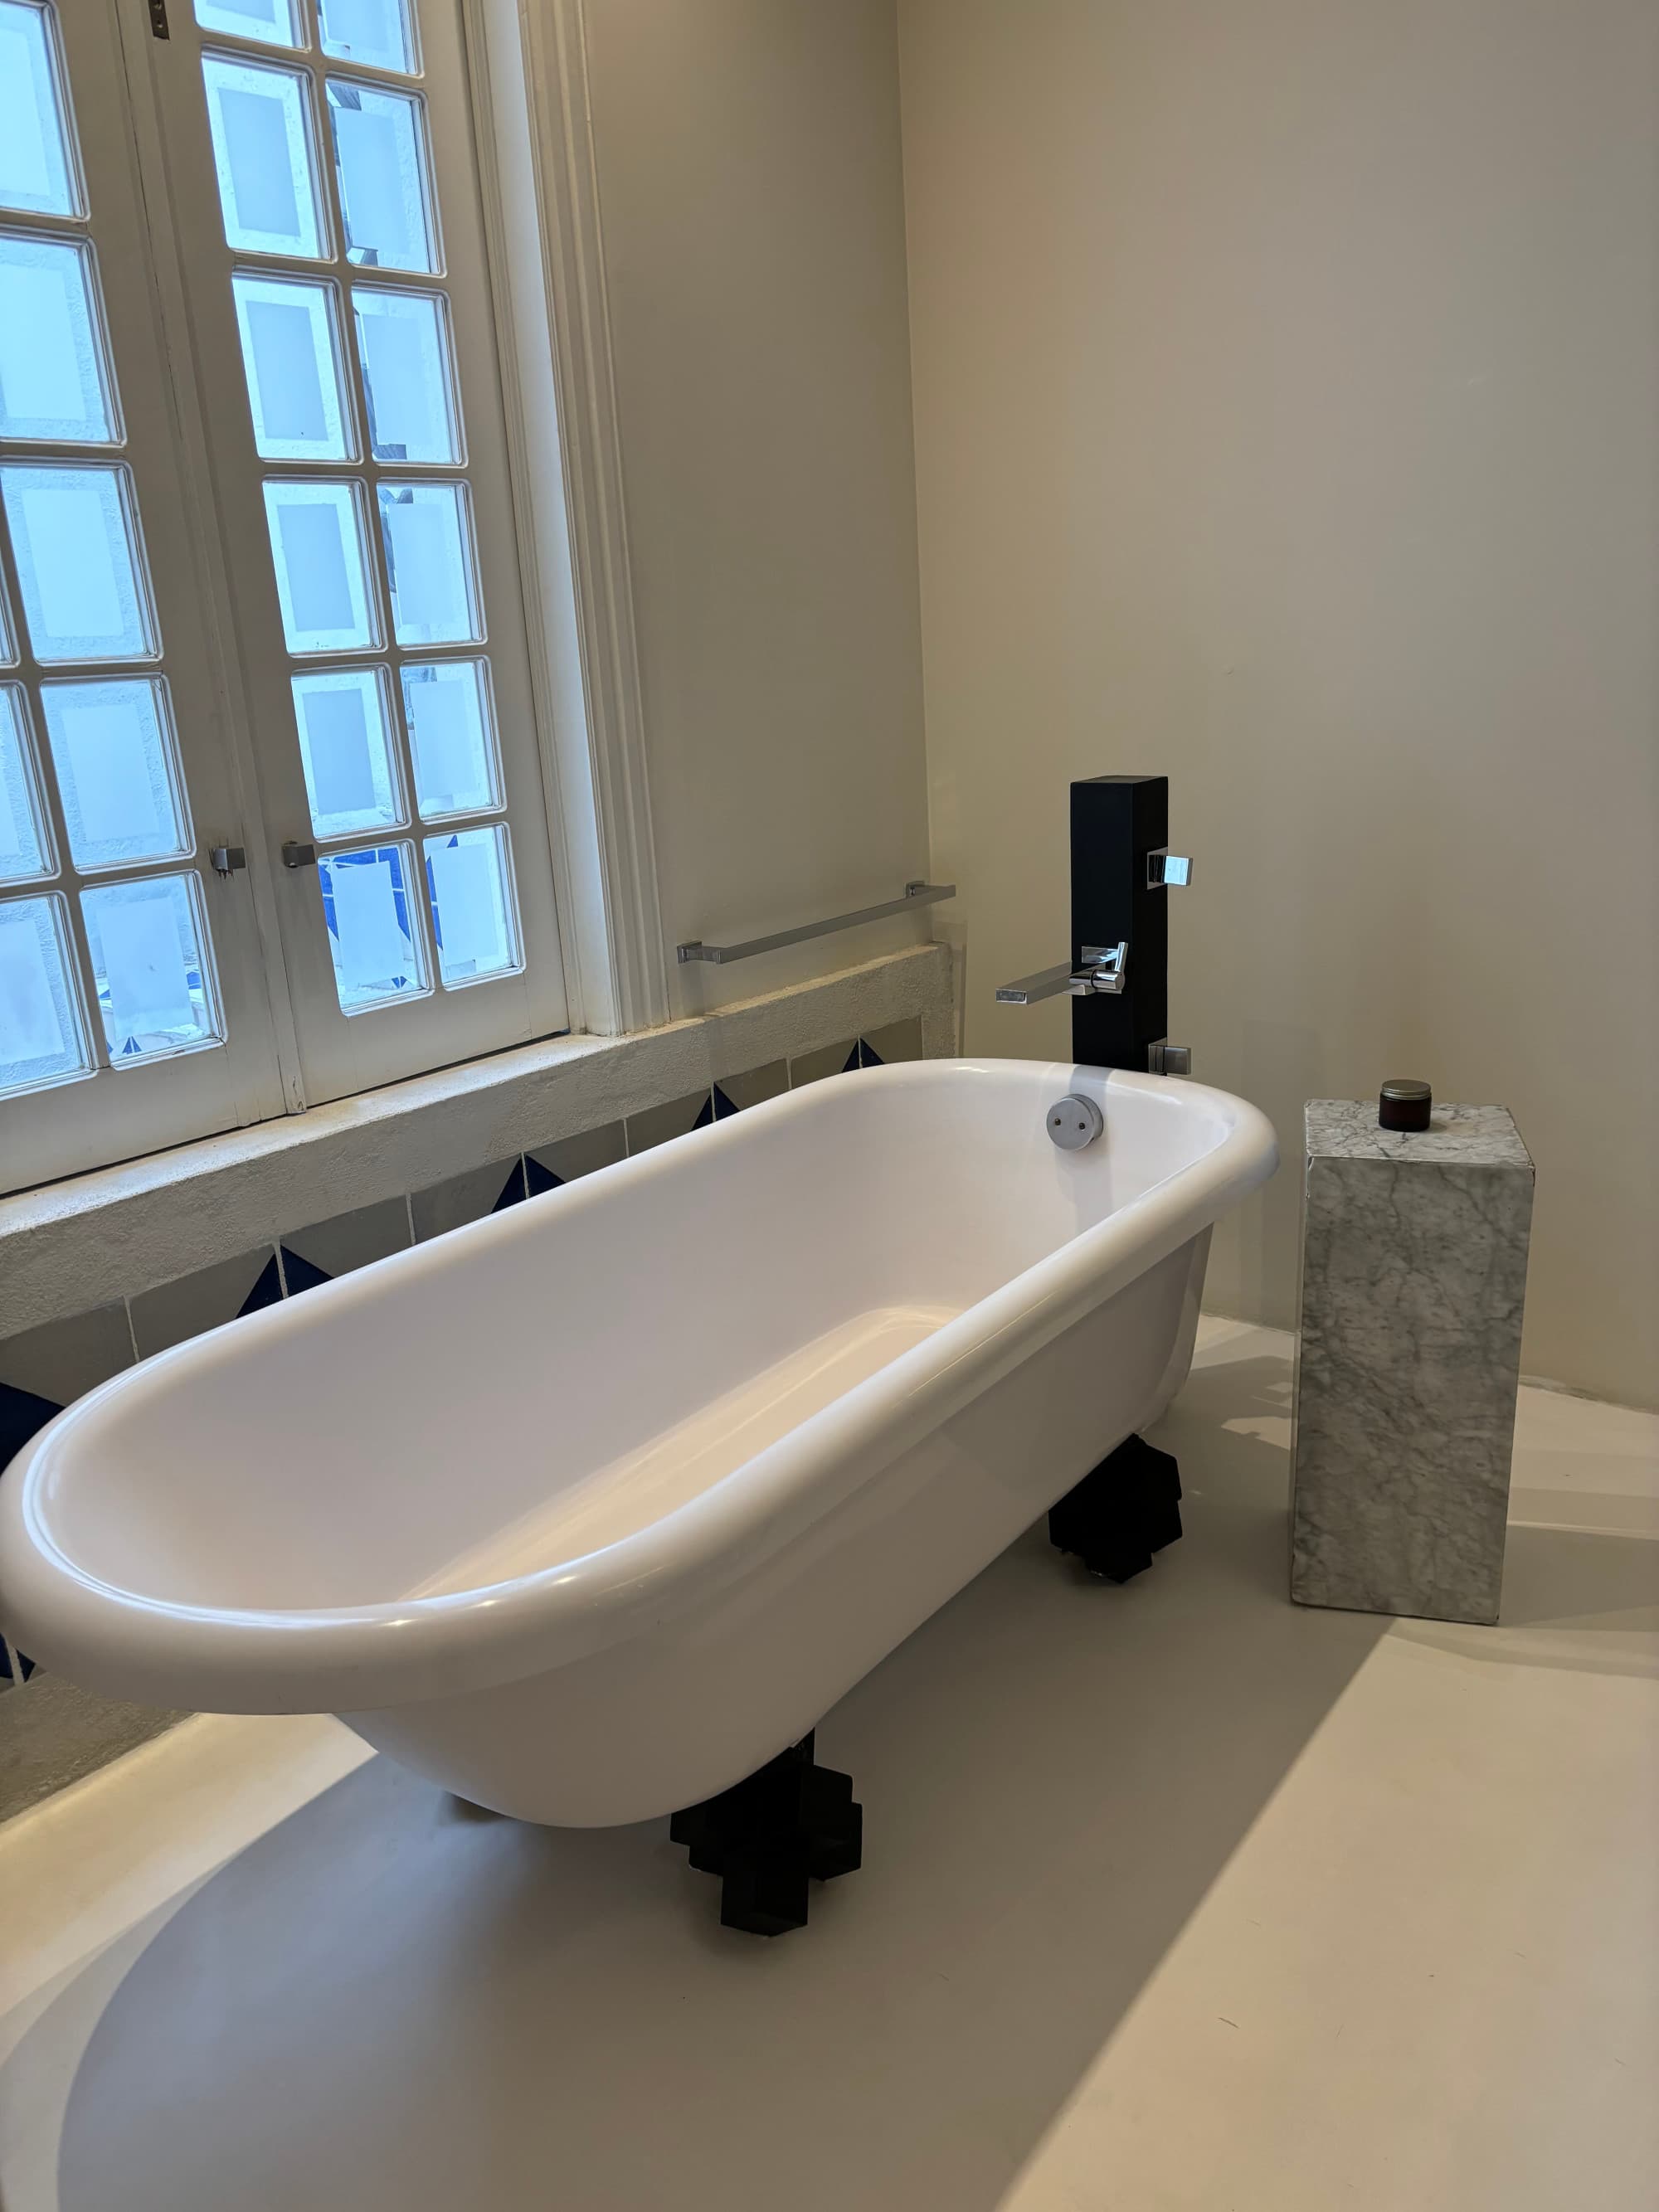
<point x="551" y="1380"/>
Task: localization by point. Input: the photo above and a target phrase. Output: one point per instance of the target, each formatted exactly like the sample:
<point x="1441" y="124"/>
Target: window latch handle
<point x="298" y="856"/>
<point x="228" y="859"/>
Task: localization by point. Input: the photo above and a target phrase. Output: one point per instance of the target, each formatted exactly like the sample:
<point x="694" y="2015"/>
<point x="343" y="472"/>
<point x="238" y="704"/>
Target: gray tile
<point x="350" y="1240"/>
<point x="442" y="1207"/>
<point x="52" y="1733"/>
<point x="828" y="1060"/>
<point x="570" y="1158"/>
<point x="174" y="1311"/>
<point x="61" y="1359"/>
<point x="757" y="1083"/>
<point x="466" y="1198"/>
<point x="898" y="1040"/>
<point x="658" y="1123"/>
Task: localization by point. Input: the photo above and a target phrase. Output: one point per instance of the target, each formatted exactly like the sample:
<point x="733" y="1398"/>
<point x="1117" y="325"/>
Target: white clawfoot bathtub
<point x="588" y="1510"/>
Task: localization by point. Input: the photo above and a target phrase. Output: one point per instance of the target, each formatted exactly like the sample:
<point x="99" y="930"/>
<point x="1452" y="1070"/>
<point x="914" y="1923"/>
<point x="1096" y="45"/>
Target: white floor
<point x="1176" y="1899"/>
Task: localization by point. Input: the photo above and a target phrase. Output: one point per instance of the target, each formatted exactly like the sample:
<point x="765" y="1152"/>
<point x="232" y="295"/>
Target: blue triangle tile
<point x="852" y="1061"/>
<point x="267" y="1292"/>
<point x="723" y="1105"/>
<point x="300" y="1275"/>
<point x="512" y="1189"/>
<point x="538" y="1178"/>
<point x="22" y="1416"/>
<point x="867" y="1058"/>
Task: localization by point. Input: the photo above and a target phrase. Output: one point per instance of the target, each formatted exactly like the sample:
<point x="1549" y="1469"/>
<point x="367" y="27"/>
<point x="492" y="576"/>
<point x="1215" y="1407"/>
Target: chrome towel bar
<point x="917" y="894"/>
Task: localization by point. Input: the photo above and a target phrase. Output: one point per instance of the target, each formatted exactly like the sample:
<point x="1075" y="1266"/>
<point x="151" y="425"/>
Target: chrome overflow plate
<point x="1074" y="1121"/>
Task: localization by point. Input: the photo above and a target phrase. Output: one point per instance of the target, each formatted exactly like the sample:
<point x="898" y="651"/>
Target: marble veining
<point x="1415" y="1265"/>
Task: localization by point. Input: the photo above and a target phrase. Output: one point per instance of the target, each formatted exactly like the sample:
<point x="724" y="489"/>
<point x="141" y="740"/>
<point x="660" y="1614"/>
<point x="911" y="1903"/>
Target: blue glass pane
<point x="470" y="877"/>
<point x="42" y="1037"/>
<point x="270" y="21"/>
<point x="322" y="573"/>
<point x="24" y="850"/>
<point x="148" y="943"/>
<point x="351" y="777"/>
<point x="375" y="33"/>
<point x="403" y="338"/>
<point x="54" y="381"/>
<point x="374" y="936"/>
<point x="80" y="562"/>
<point x="260" y="119"/>
<point x="429" y="564"/>
<point x="117" y="776"/>
<point x="291" y="358"/>
<point x="379" y="157"/>
<point x="451" y="736"/>
<point x="37" y="167"/>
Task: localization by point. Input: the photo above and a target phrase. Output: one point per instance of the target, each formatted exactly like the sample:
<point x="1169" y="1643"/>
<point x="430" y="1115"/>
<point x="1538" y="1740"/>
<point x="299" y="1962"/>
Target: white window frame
<point x="541" y="199"/>
<point x="560" y="472"/>
<point x="341" y="1054"/>
<point x="122" y="1110"/>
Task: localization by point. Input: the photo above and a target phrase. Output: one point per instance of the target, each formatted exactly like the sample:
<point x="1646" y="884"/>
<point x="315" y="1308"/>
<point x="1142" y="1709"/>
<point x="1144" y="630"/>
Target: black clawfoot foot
<point x="1116" y="1517"/>
<point x="767" y="1837"/>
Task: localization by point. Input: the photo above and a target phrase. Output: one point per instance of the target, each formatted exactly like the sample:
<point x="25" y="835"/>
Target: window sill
<point x="70" y="1246"/>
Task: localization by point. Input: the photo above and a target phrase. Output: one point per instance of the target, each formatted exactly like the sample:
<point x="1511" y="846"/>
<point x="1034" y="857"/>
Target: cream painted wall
<point x="751" y="191"/>
<point x="1286" y="393"/>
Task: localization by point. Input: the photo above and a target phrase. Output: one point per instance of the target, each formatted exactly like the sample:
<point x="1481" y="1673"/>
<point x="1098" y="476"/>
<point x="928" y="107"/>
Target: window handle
<point x="298" y="856"/>
<point x="228" y="859"/>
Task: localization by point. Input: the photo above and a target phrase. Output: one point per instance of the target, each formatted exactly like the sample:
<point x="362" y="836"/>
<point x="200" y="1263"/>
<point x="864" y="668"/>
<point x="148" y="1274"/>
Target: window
<point x="275" y="607"/>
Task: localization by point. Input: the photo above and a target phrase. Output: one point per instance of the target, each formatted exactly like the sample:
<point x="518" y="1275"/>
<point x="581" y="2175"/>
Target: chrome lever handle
<point x="1104" y="970"/>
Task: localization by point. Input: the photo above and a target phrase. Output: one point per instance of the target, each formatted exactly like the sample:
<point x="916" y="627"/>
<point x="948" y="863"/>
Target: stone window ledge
<point x="67" y="1247"/>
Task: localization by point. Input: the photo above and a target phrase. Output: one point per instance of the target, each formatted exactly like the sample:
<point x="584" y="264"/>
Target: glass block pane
<point x="43" y="1038"/>
<point x="24" y="850"/>
<point x="451" y="736"/>
<point x="291" y="358"/>
<point x="351" y="776"/>
<point x="317" y="545"/>
<point x="470" y="877"/>
<point x="430" y="562"/>
<point x="37" y="163"/>
<point x="379" y="157"/>
<point x="54" y="377"/>
<point x="118" y="771"/>
<point x="80" y="562"/>
<point x="376" y="33"/>
<point x="372" y="933"/>
<point x="260" y="119"/>
<point x="272" y="22"/>
<point x="155" y="990"/>
<point x="403" y="338"/>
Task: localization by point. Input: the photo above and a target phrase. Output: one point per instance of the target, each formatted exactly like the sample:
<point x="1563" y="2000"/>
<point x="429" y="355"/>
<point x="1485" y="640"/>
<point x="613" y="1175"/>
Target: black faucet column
<point x="1117" y="821"/>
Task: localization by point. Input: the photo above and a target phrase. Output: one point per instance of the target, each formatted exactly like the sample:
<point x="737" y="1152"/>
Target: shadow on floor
<point x="385" y="2002"/>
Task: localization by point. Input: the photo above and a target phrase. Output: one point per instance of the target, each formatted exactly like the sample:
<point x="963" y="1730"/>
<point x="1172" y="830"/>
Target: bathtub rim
<point x="332" y="1659"/>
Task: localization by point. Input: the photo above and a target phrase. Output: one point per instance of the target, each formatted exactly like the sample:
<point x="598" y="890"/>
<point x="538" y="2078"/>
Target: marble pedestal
<point x="1413" y="1278"/>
